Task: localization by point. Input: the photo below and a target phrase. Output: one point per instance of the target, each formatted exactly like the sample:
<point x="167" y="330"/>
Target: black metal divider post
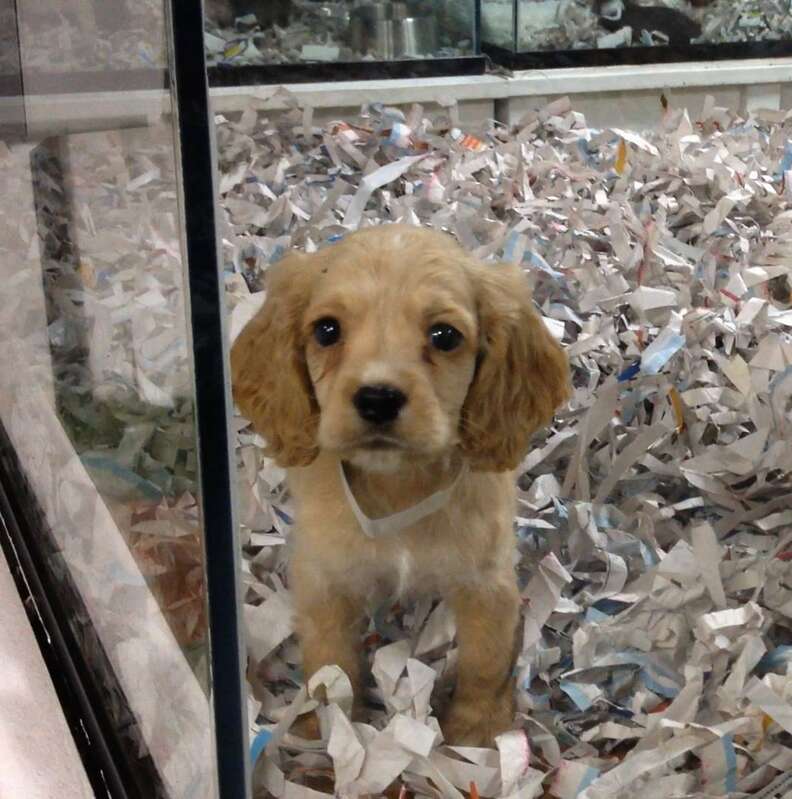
<point x="196" y="148"/>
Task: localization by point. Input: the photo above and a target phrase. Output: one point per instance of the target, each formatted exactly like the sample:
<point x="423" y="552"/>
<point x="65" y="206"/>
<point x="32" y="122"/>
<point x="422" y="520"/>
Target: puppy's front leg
<point x="483" y="703"/>
<point x="328" y="623"/>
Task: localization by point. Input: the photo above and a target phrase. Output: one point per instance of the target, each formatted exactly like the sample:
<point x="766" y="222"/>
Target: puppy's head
<point x="395" y="346"/>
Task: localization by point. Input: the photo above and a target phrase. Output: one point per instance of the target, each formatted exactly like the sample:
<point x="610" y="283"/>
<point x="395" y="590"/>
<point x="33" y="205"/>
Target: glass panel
<point x="497" y="23"/>
<point x="96" y="386"/>
<point x="605" y="24"/>
<point x="70" y="36"/>
<point x="244" y="32"/>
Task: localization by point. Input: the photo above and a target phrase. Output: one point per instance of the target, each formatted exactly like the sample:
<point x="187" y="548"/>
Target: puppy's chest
<point x="412" y="565"/>
<point x="403" y="574"/>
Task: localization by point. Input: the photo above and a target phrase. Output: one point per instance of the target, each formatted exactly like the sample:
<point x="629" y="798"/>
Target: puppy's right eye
<point x="445" y="337"/>
<point x="327" y="331"/>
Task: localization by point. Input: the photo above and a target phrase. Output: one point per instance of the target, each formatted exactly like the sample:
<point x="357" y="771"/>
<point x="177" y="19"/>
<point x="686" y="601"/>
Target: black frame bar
<point x="634" y="56"/>
<point x="253" y="75"/>
<point x="196" y="150"/>
<point x="407" y="69"/>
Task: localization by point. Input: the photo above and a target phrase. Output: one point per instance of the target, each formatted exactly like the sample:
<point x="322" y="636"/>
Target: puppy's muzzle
<point x="379" y="404"/>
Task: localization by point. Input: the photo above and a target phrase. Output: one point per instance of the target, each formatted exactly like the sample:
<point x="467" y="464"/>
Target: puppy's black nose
<point x="379" y="404"/>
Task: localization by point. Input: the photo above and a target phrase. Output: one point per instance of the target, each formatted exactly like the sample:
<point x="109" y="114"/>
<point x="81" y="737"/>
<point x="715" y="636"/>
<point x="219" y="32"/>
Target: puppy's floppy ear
<point x="522" y="375"/>
<point x="271" y="384"/>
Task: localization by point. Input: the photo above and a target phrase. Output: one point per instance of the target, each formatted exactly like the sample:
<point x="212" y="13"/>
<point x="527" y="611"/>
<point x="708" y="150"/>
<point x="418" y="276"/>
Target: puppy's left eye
<point x="327" y="331"/>
<point x="444" y="337"/>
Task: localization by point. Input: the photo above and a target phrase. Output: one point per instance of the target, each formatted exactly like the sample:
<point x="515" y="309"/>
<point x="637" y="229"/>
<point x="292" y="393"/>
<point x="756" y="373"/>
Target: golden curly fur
<point x="476" y="404"/>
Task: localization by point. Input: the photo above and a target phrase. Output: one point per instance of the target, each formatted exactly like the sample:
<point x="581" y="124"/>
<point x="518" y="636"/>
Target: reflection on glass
<point x="75" y="36"/>
<point x="12" y="117"/>
<point x="96" y="391"/>
<point x="605" y="24"/>
<point x="242" y="32"/>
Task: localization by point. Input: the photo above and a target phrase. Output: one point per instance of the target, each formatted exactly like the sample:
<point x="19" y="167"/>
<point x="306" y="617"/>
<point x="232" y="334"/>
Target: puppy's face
<point x="390" y="336"/>
<point x="395" y="346"/>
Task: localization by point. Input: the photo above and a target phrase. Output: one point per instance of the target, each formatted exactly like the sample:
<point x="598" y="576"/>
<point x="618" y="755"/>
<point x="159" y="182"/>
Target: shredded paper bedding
<point x="653" y="527"/>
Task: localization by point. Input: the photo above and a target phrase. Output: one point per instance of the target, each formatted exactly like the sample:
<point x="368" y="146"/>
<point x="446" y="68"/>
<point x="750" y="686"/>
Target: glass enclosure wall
<point x="97" y="398"/>
<point x="252" y="32"/>
<point x="562" y="25"/>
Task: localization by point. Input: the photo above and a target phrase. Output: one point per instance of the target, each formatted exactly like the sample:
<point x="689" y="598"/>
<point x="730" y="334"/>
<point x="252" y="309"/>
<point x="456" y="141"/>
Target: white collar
<point x="396" y="522"/>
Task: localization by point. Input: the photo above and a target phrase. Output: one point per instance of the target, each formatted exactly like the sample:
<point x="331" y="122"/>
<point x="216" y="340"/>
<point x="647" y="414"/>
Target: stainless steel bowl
<point x="416" y="36"/>
<point x="385" y="31"/>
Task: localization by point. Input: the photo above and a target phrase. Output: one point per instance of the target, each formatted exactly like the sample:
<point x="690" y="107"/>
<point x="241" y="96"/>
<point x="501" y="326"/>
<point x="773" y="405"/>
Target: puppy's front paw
<point x="477" y="723"/>
<point x="307" y="727"/>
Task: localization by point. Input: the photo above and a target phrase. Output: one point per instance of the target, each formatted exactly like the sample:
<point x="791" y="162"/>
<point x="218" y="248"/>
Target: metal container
<point x="416" y="36"/>
<point x="385" y="31"/>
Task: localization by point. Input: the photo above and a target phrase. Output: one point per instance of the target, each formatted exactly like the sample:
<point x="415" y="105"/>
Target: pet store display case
<point x="251" y="42"/>
<point x="108" y="46"/>
<point x="653" y="535"/>
<point x="115" y="497"/>
<point x="530" y="34"/>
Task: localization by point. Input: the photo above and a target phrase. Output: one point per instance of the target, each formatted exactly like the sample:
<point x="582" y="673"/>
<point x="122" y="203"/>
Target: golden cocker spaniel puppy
<point x="392" y="373"/>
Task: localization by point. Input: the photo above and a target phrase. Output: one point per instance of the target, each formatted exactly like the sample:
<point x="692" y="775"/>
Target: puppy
<point x="383" y="370"/>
